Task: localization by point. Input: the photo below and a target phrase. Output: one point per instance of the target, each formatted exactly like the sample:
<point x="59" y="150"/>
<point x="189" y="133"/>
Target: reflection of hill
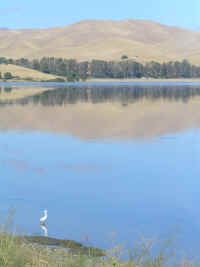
<point x="133" y="113"/>
<point x="9" y="94"/>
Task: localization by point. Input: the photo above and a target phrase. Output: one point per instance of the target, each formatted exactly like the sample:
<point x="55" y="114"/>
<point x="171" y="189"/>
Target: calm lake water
<point x="103" y="160"/>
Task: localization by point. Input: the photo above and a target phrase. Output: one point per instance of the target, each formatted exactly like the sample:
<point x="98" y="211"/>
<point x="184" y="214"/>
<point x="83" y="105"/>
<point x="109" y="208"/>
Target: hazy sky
<point x="47" y="13"/>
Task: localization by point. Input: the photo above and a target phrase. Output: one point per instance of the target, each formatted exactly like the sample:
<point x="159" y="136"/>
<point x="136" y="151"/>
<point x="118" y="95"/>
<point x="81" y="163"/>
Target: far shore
<point x="106" y="80"/>
<point x="144" y="80"/>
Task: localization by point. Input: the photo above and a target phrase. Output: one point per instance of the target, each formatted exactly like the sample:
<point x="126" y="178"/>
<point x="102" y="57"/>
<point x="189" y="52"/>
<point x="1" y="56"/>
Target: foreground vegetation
<point x="18" y="251"/>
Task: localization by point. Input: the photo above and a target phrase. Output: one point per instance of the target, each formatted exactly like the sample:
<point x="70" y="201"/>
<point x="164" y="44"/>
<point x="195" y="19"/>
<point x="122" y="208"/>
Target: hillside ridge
<point x="145" y="40"/>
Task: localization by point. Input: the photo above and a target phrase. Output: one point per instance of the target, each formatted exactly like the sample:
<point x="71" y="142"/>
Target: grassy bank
<point x="26" y="74"/>
<point x="23" y="251"/>
<point x="18" y="251"/>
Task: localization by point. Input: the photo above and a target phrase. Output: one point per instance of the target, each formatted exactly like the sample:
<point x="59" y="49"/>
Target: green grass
<point x="75" y="247"/>
<point x="37" y="251"/>
<point x="19" y="251"/>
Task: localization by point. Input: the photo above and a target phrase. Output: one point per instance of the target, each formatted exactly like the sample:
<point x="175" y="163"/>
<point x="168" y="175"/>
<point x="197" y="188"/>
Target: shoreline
<point x="145" y="80"/>
<point x="106" y="80"/>
<point x="73" y="246"/>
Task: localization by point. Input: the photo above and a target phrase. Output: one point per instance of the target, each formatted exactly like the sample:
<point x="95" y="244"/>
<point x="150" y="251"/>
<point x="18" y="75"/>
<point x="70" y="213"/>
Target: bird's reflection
<point x="44" y="229"/>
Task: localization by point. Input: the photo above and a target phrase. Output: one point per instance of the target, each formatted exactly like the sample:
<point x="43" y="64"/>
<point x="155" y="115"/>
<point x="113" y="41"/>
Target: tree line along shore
<point x="72" y="70"/>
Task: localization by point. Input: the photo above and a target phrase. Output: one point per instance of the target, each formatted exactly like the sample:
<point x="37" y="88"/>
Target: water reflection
<point x="4" y="89"/>
<point x="123" y="95"/>
<point x="105" y="112"/>
<point x="44" y="230"/>
<point x="130" y="188"/>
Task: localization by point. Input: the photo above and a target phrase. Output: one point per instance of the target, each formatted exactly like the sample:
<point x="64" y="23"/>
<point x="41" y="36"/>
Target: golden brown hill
<point x="94" y="39"/>
<point x="25" y="73"/>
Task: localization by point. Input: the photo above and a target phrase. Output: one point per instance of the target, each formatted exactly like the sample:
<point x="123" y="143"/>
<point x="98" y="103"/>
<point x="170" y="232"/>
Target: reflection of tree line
<point x="4" y="89"/>
<point x="124" y="95"/>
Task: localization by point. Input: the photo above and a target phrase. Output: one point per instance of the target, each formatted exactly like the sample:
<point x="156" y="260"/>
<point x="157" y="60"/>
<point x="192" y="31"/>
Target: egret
<point x="44" y="218"/>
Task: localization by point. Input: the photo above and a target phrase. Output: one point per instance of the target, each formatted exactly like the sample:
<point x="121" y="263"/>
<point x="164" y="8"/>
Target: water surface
<point x="103" y="159"/>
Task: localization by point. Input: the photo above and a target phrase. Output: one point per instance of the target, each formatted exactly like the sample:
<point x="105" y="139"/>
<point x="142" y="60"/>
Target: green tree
<point x="186" y="69"/>
<point x="8" y="76"/>
<point x="83" y="70"/>
<point x="36" y="64"/>
<point x="72" y="77"/>
<point x="124" y="57"/>
<point x="7" y="89"/>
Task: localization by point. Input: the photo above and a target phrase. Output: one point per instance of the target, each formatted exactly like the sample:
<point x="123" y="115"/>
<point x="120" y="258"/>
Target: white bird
<point x="44" y="218"/>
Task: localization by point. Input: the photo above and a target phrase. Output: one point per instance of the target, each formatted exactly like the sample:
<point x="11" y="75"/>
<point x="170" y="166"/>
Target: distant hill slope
<point x="25" y="72"/>
<point x="95" y="39"/>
